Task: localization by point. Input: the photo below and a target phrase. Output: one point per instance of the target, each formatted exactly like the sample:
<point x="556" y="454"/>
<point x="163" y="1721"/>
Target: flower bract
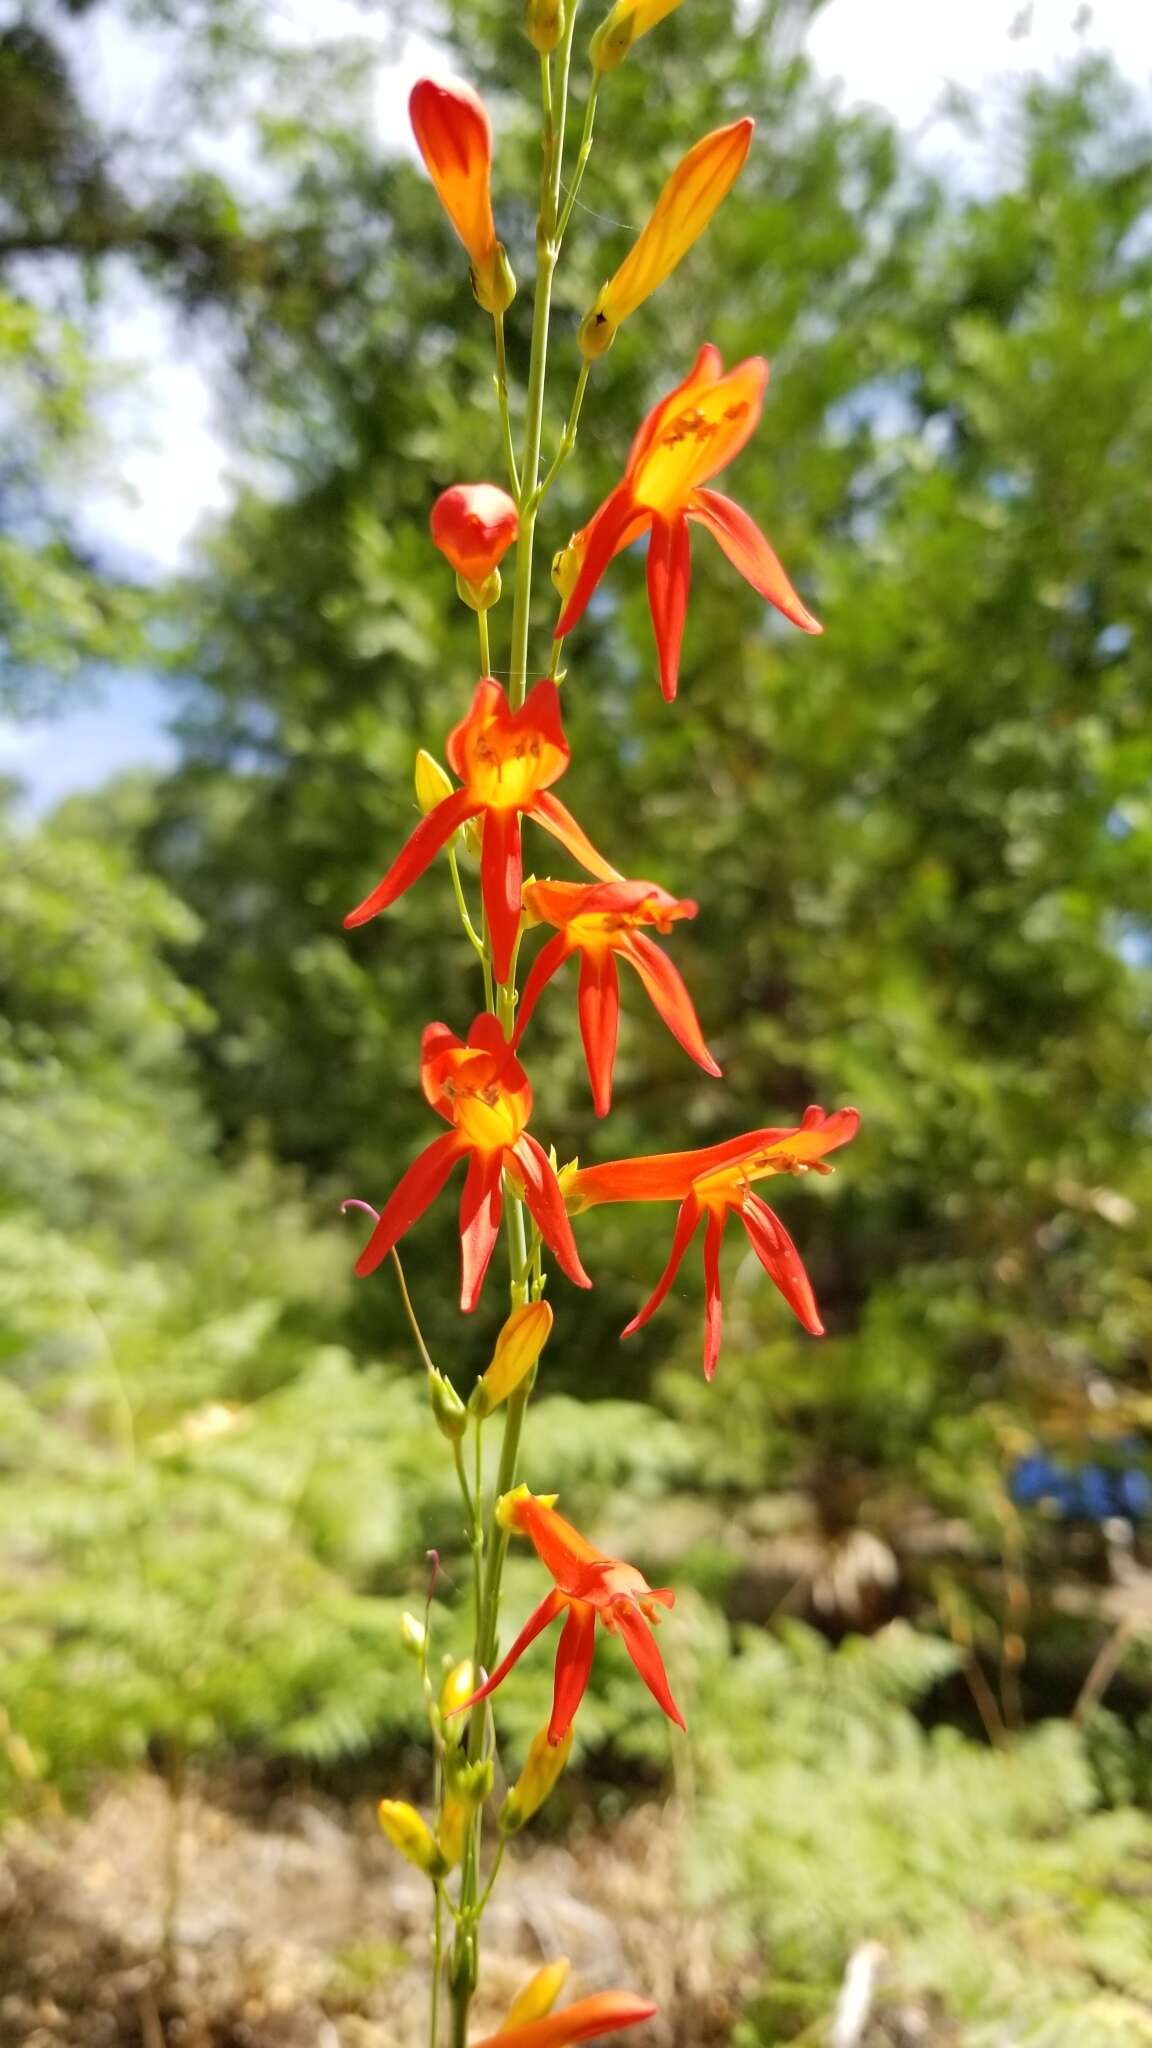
<point x="479" y="1087"/>
<point x="686" y="439"/>
<point x="506" y="761"/>
<point x="603" y="921"/>
<point x="709" y="1185"/>
<point x="588" y="1585"/>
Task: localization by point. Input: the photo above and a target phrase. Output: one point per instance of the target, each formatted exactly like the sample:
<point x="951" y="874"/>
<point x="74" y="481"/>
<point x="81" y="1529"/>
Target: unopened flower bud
<point x="624" y="25"/>
<point x="452" y="1833"/>
<point x="474" y="525"/>
<point x="544" y="1763"/>
<point x="433" y="783"/>
<point x="480" y="597"/>
<point x="411" y="1835"/>
<point x="470" y="1783"/>
<point x="454" y="137"/>
<point x="413" y="1634"/>
<point x="539" y="1994"/>
<point x="449" y="1410"/>
<point x="459" y="1685"/>
<point x="544" y="24"/>
<point x="695" y="189"/>
<point x="566" y="567"/>
<point x="517" y="1349"/>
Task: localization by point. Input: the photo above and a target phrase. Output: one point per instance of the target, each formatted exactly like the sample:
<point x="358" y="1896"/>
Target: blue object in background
<point x="1089" y="1493"/>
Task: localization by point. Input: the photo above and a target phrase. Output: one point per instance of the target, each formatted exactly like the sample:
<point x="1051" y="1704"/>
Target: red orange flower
<point x="599" y="920"/>
<point x="690" y="435"/>
<point x="474" y="525"/>
<point x="454" y="137"/>
<point x="479" y="1087"/>
<point x="588" y="1584"/>
<point x="603" y="2012"/>
<point x="506" y="761"/>
<point x="709" y="1184"/>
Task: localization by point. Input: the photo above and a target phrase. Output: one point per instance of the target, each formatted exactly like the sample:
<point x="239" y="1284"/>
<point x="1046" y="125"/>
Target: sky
<point x="172" y="467"/>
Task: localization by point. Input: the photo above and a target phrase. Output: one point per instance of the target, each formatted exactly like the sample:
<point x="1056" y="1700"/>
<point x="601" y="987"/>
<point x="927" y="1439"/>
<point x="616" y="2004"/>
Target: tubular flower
<point x="698" y="184"/>
<point x="709" y="1184"/>
<point x="690" y="435"/>
<point x="474" y="525"/>
<point x="624" y="25"/>
<point x="599" y="920"/>
<point x="506" y="761"/>
<point x="480" y="1088"/>
<point x="604" y="2012"/>
<point x="588" y="1584"/>
<point x="454" y="137"/>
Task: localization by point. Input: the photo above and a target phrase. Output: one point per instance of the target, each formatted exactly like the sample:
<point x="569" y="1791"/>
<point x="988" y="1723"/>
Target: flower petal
<point x="573" y="1667"/>
<point x="599" y="1005"/>
<point x="413" y="1193"/>
<point x="417" y="853"/>
<point x="610" y="525"/>
<point x="669" y="577"/>
<point x="713" y="1307"/>
<point x="781" y="1260"/>
<point x="501" y="880"/>
<point x="547" y="961"/>
<point x="481" y="1206"/>
<point x="641" y="1646"/>
<point x="664" y="986"/>
<point x="604" y="2012"/>
<point x="546" y="1204"/>
<point x="552" y="1604"/>
<point x="749" y="552"/>
<point x="686" y="1221"/>
<point x="557" y="819"/>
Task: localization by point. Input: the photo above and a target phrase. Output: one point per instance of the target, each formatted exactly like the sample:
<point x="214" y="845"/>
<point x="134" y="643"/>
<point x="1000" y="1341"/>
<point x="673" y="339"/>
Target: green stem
<point x="582" y="158"/>
<point x="485" y="655"/>
<point x="437" y="1969"/>
<point x="568" y="437"/>
<point x="410" y="1312"/>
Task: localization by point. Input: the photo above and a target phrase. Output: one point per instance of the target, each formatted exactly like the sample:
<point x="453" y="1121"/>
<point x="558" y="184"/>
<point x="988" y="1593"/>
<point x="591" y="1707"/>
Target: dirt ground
<point x="299" y="1925"/>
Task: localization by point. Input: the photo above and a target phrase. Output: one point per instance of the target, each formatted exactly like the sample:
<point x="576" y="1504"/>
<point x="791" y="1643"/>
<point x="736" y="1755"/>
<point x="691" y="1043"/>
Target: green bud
<point x="449" y="1410"/>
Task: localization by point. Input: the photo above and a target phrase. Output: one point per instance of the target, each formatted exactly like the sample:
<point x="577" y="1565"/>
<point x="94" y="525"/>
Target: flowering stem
<point x="502" y="401"/>
<point x="547" y="250"/>
<point x="485" y="655"/>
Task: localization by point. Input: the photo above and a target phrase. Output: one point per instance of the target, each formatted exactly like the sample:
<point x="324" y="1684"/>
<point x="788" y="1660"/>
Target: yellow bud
<point x="543" y="1766"/>
<point x="480" y="597"/>
<point x="413" y="1634"/>
<point x="411" y="1835"/>
<point x="544" y="24"/>
<point x="566" y="568"/>
<point x="433" y="783"/>
<point x="459" y="1685"/>
<point x="700" y="181"/>
<point x="452" y="1833"/>
<point x="624" y="25"/>
<point x="538" y="1995"/>
<point x="517" y="1349"/>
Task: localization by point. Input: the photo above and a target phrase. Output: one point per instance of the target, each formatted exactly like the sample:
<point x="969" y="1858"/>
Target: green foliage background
<point x="921" y="848"/>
